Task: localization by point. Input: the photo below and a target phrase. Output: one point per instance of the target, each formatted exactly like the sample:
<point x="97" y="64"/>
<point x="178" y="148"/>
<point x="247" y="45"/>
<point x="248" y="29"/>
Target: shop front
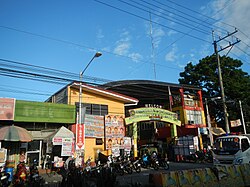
<point x="60" y="146"/>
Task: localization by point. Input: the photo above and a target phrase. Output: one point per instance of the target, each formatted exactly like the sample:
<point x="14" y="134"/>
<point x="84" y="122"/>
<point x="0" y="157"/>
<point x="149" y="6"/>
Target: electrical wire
<point x="201" y="22"/>
<point x="47" y="71"/>
<point x="143" y="18"/>
<point x="203" y="14"/>
<point x="180" y="22"/>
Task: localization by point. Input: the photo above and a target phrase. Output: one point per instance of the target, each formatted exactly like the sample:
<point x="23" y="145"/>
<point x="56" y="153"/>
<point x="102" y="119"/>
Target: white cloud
<point x="155" y="32"/>
<point x="123" y="44"/>
<point x="171" y="32"/>
<point x="171" y="56"/>
<point x="157" y="35"/>
<point x="122" y="48"/>
<point x="136" y="57"/>
<point x="99" y="34"/>
<point x="237" y="14"/>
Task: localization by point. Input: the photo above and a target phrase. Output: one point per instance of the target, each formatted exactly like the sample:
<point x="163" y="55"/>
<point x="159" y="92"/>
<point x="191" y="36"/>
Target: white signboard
<point x="235" y="123"/>
<point x="66" y="147"/>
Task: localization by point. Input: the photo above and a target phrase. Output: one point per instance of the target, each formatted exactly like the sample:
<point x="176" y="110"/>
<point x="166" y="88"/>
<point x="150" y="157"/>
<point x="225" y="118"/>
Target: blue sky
<point x="139" y="39"/>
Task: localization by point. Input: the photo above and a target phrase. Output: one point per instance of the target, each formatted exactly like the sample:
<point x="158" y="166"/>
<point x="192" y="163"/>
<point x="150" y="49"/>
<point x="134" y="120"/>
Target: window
<point x="94" y="109"/>
<point x="244" y="144"/>
<point x="194" y="117"/>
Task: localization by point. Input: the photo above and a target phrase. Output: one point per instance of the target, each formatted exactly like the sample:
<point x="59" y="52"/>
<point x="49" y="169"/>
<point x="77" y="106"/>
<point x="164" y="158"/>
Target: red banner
<point x="79" y="136"/>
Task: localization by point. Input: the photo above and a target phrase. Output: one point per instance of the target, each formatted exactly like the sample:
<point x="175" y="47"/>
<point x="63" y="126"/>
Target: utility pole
<point x="216" y="51"/>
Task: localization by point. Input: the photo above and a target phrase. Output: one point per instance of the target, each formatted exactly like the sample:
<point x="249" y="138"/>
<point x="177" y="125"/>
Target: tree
<point x="236" y="85"/>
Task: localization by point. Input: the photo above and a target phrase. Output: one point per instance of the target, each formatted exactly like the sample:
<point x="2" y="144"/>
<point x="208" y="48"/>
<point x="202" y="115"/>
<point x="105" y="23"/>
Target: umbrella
<point x="14" y="134"/>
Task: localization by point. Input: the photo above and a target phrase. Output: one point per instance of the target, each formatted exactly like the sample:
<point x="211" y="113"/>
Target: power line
<point x="203" y="14"/>
<point x="201" y="39"/>
<point x="193" y="17"/>
<point x="48" y="71"/>
<point x="79" y="45"/>
<point x="180" y="22"/>
<point x="243" y="51"/>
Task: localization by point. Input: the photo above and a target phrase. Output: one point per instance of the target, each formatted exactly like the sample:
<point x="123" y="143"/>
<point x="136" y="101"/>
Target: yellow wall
<point x="182" y="114"/>
<point x="114" y="107"/>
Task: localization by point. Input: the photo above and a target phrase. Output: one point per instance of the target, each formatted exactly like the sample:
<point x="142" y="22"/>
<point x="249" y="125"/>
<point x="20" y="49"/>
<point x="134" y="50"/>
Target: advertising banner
<point x="127" y="143"/>
<point x="115" y="131"/>
<point x="79" y="136"/>
<point x="156" y="114"/>
<point x="67" y="147"/>
<point x="94" y="126"/>
<point x="7" y="108"/>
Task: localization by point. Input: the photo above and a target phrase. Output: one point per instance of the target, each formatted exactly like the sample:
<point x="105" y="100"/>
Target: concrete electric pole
<point x="216" y="51"/>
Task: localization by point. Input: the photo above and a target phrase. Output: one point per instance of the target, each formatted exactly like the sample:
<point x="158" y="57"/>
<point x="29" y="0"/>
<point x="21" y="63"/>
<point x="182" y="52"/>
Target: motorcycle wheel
<point x="156" y="166"/>
<point x="129" y="170"/>
<point x="137" y="169"/>
<point x="120" y="171"/>
<point x="165" y="165"/>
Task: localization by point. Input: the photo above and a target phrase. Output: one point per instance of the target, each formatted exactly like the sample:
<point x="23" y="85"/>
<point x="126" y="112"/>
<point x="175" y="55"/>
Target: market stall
<point x="60" y="145"/>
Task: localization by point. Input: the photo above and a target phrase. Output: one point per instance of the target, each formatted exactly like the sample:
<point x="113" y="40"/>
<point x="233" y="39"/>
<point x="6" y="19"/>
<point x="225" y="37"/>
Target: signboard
<point x="115" y="131"/>
<point x="66" y="147"/>
<point x="7" y="108"/>
<point x="3" y="156"/>
<point x="79" y="136"/>
<point x="235" y="123"/>
<point x="94" y="126"/>
<point x="152" y="114"/>
<point x="57" y="141"/>
<point x="127" y="144"/>
<point x="116" y="151"/>
<point x="28" y="111"/>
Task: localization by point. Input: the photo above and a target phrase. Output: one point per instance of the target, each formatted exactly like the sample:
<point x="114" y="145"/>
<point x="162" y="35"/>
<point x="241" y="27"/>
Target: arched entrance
<point x="151" y="115"/>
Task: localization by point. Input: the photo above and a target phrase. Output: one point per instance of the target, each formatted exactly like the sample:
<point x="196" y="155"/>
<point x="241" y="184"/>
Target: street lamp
<point x="97" y="54"/>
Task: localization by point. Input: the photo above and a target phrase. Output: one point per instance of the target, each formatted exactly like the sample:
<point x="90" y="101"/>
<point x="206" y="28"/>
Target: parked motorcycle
<point x="163" y="162"/>
<point x="126" y="163"/>
<point x="21" y="175"/>
<point x="135" y="164"/>
<point x="4" y="178"/>
<point x="34" y="178"/>
<point x="150" y="161"/>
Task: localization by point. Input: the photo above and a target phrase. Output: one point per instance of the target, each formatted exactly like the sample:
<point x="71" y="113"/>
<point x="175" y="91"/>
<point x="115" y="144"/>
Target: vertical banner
<point x="79" y="136"/>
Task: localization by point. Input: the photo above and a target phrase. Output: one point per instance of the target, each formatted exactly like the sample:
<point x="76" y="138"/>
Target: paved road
<point x="143" y="177"/>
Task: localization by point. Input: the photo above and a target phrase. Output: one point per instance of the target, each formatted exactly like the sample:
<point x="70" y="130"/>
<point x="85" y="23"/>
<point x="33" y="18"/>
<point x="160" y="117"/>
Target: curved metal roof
<point x="146" y="89"/>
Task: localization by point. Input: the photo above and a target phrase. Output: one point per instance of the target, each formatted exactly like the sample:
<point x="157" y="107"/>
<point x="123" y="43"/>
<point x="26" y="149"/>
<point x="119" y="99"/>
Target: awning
<point x="57" y="136"/>
<point x="217" y="131"/>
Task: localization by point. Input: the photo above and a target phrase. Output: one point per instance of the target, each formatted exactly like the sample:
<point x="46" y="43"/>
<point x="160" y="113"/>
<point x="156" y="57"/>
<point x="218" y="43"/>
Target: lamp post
<point x="209" y="124"/>
<point x="97" y="54"/>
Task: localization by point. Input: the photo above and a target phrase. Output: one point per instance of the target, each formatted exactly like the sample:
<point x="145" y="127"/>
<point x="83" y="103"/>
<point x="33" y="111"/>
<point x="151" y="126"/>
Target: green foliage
<point x="236" y="85"/>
